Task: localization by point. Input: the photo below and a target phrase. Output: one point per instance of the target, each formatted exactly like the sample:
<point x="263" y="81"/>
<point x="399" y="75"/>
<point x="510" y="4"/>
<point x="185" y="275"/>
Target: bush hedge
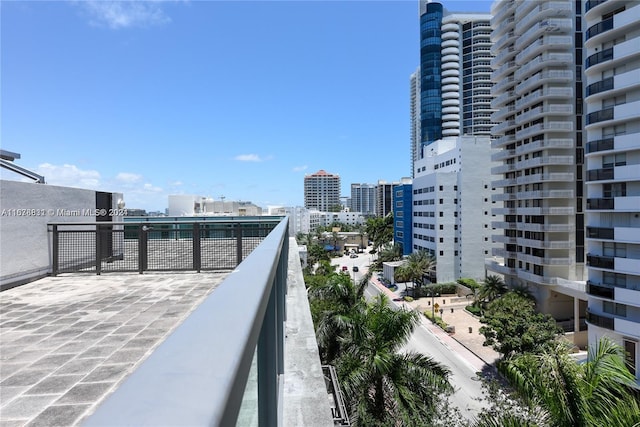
<point x="438" y="320"/>
<point x="469" y="283"/>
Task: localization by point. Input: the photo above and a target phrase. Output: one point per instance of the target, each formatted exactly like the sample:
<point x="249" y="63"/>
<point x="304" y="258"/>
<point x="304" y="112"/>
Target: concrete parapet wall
<point x="26" y="209"/>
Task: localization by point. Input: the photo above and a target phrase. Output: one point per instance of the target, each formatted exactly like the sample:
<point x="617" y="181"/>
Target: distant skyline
<point x="213" y="98"/>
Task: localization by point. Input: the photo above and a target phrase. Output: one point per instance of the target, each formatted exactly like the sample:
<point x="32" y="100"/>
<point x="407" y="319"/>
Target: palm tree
<point x="596" y="393"/>
<point x="385" y="387"/>
<point x="341" y="300"/>
<point x="417" y="266"/>
<point x="492" y="288"/>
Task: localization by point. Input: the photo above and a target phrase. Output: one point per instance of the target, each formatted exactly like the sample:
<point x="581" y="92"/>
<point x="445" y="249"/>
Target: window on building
<point x="630" y="351"/>
<point x="611" y="307"/>
<point x="441" y="253"/>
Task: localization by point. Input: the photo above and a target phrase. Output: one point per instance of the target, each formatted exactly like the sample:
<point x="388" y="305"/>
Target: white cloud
<point x="69" y="176"/>
<point x="175" y="183"/>
<point x="124" y="14"/>
<point x="126" y="177"/>
<point x="251" y="158"/>
<point x="300" y="168"/>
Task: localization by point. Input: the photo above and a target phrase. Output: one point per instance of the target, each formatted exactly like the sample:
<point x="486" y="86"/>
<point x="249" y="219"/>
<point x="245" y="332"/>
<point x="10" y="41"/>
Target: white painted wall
<point x="26" y="209"/>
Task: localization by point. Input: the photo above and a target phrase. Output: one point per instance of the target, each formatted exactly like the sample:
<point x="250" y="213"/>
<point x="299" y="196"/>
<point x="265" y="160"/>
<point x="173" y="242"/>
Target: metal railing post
<point x="197" y="255"/>
<point x="268" y="365"/>
<point x="98" y="249"/>
<point x="142" y="248"/>
<point x="55" y="248"/>
<point x="238" y="230"/>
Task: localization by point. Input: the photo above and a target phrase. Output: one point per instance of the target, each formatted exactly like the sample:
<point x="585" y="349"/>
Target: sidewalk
<point x="466" y="336"/>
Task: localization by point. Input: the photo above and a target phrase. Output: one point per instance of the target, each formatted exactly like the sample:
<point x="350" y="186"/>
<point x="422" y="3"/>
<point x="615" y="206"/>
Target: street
<point x="468" y="395"/>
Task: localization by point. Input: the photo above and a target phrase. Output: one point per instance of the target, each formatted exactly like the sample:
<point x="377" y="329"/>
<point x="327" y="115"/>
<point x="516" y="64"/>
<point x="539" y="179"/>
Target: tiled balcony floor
<point x="66" y="342"/>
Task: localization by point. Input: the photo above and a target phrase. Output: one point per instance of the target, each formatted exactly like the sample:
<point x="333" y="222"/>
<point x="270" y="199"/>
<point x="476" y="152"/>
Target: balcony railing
<point x="600" y="233"/>
<point x="598" y="290"/>
<point x="600" y="204"/>
<point x="155" y="245"/>
<point x="600" y="174"/>
<point x="198" y="376"/>
<point x="600" y="261"/>
<point x="600" y="145"/>
<point x="601" y="321"/>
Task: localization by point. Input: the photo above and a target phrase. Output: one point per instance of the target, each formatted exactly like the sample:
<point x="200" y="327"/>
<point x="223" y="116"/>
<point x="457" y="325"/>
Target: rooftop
<point x="66" y="342"/>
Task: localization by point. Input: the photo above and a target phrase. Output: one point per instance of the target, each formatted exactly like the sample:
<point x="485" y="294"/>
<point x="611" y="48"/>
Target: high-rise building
<point x="363" y="199"/>
<point x="451" y="106"/>
<point x="414" y="113"/>
<point x="384" y="198"/>
<point x="538" y="97"/>
<point x="402" y="215"/>
<point x="452" y="203"/>
<point x="454" y="76"/>
<point x="612" y="154"/>
<point x="322" y="191"/>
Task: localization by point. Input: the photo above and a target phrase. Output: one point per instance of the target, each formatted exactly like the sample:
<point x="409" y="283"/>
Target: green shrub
<point x="474" y="309"/>
<point x="438" y="320"/>
<point x="408" y="299"/>
<point x="469" y="283"/>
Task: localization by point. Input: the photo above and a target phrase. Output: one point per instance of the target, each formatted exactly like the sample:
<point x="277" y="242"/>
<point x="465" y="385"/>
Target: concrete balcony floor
<point x="66" y="342"/>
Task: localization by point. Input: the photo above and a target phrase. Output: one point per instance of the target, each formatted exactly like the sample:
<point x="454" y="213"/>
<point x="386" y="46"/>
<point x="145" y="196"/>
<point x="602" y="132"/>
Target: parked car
<point x="355" y="268"/>
<point x="345" y="268"/>
<point x="353" y="256"/>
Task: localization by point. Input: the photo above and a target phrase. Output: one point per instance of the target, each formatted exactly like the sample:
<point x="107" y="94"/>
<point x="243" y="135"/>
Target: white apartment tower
<point x="363" y="199"/>
<point x="612" y="134"/>
<point x="451" y="212"/>
<point x="538" y="97"/>
<point x="322" y="191"/>
<point x="466" y="74"/>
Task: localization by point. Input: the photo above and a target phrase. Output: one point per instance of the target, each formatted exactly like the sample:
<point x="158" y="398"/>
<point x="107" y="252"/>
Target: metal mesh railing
<point x="154" y="246"/>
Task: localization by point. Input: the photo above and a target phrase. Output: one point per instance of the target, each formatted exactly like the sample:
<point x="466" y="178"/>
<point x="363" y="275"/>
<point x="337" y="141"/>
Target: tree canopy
<point x="512" y="325"/>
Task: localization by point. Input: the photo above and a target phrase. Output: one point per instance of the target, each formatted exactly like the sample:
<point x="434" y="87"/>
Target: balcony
<point x="600" y="291"/>
<point x="600" y="57"/>
<point x="590" y="4"/>
<point x="600" y="145"/>
<point x="601" y="86"/>
<point x="555" y="76"/>
<point x="546" y="211"/>
<point x="600" y="116"/>
<point x="601" y="204"/>
<point x="152" y="347"/>
<point x="548" y="92"/>
<point x="543" y="111"/>
<point x="543" y="61"/>
<point x="503" y="140"/>
<point x="600" y="174"/>
<point x="546" y="244"/>
<point x="600" y="320"/>
<point x="555" y="143"/>
<point x="545" y="194"/>
<point x="539" y="46"/>
<point x="548" y="228"/>
<point x="547" y="177"/>
<point x="594" y="30"/>
<point x="600" y="261"/>
<point x="600" y="233"/>
<point x="535" y="278"/>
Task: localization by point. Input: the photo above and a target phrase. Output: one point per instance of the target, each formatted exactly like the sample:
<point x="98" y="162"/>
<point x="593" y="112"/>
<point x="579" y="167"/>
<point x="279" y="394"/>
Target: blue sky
<point x="238" y="99"/>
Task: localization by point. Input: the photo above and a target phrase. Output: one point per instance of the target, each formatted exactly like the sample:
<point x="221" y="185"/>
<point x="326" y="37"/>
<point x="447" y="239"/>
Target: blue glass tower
<point x="430" y="69"/>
